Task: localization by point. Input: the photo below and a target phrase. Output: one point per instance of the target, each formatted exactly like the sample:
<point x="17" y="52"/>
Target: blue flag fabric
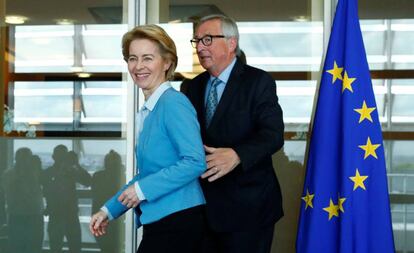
<point x="345" y="203"/>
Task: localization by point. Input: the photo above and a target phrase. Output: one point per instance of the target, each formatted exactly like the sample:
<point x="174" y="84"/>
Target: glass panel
<point x="402" y="222"/>
<point x="84" y="178"/>
<point x="102" y="102"/>
<point x="44" y="48"/>
<point x="273" y="36"/>
<point x="46" y="103"/>
<point x="401" y="184"/>
<point x="181" y="33"/>
<point x="389" y="43"/>
<point x="402" y="103"/>
<point x="53" y="106"/>
<point x="296" y="99"/>
<point x="374" y="36"/>
<point x="54" y="48"/>
<point x="380" y="92"/>
<point x="49" y="187"/>
<point x="402" y="44"/>
<point x="288" y="163"/>
<point x="102" y="57"/>
<point x="295" y="150"/>
<point x="282" y="46"/>
<point x="402" y="167"/>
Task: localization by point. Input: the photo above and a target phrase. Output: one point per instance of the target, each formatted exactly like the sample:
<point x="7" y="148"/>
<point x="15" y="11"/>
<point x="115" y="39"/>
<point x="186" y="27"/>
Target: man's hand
<point x="129" y="197"/>
<point x="99" y="222"/>
<point x="220" y="161"/>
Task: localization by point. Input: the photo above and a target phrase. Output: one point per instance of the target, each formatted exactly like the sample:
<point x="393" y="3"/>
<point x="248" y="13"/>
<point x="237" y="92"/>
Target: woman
<point x="106" y="183"/>
<point x="24" y="203"/>
<point x="166" y="194"/>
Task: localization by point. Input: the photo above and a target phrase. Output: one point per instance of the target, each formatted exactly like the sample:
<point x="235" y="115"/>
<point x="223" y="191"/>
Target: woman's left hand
<point x="129" y="197"/>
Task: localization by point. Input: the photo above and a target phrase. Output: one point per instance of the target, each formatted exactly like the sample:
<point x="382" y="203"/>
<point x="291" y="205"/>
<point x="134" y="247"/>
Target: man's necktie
<point x="212" y="101"/>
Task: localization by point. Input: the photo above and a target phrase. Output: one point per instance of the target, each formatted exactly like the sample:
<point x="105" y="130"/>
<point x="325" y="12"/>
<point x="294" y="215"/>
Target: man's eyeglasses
<point x="207" y="40"/>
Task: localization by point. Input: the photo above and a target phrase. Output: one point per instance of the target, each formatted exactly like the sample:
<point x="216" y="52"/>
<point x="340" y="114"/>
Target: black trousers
<point x="180" y="232"/>
<point x="64" y="226"/>
<point x="257" y="240"/>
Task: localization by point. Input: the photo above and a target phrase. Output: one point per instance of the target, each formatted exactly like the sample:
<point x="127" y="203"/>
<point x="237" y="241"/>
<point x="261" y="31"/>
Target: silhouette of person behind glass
<point x="24" y="203"/>
<point x="106" y="183"/>
<point x="291" y="182"/>
<point x="62" y="201"/>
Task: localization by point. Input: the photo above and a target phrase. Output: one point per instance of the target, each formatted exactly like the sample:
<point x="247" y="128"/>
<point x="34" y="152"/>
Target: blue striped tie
<point x="212" y="101"/>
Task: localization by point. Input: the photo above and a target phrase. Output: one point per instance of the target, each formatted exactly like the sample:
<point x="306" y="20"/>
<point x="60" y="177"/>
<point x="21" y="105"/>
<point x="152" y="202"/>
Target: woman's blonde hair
<point x="157" y="35"/>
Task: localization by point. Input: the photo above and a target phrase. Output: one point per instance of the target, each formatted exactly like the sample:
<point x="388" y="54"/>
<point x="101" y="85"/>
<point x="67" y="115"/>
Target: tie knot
<point x="215" y="82"/>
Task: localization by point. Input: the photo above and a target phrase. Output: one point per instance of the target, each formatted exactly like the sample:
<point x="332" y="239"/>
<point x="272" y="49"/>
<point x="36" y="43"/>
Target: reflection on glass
<point x="98" y="56"/>
<point x="103" y="102"/>
<point x="401" y="110"/>
<point x="282" y="46"/>
<point x="402" y="103"/>
<point x="55" y="190"/>
<point x="273" y="46"/>
<point x="388" y="43"/>
<point x="402" y="157"/>
<point x="24" y="202"/>
<point x="44" y="48"/>
<point x="402" y="43"/>
<point x="181" y="33"/>
<point x="380" y="92"/>
<point x="53" y="105"/>
<point x="36" y="102"/>
<point x="401" y="174"/>
<point x="403" y="222"/>
<point x="295" y="150"/>
<point x="59" y="182"/>
<point x="52" y="185"/>
<point x="288" y="163"/>
<point x="53" y="48"/>
<point x="296" y="99"/>
<point x="106" y="183"/>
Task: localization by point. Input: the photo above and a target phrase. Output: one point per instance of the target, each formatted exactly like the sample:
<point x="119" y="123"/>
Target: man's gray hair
<point x="228" y="26"/>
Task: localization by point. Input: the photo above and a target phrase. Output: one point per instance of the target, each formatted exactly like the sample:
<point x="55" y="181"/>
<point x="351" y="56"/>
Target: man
<point x="241" y="126"/>
<point x="59" y="187"/>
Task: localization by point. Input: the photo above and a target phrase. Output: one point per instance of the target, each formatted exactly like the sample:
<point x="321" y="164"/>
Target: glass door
<point x="65" y="142"/>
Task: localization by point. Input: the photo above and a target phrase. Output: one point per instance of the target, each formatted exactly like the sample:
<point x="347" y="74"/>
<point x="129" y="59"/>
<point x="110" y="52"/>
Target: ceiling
<point x="110" y="11"/>
<point x="80" y="11"/>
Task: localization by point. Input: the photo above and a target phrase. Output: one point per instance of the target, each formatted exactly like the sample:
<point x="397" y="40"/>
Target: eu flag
<point x="345" y="203"/>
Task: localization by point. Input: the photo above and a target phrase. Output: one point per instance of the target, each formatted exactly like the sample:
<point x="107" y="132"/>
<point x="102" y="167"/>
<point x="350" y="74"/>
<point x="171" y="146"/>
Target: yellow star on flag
<point x="369" y="149"/>
<point x="358" y="180"/>
<point x="346" y="83"/>
<point x="332" y="209"/>
<point x="335" y="72"/>
<point x="308" y="199"/>
<point x="365" y="112"/>
<point x="341" y="203"/>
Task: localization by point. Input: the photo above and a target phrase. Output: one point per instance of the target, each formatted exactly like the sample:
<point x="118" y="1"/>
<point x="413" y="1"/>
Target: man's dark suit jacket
<point x="249" y="120"/>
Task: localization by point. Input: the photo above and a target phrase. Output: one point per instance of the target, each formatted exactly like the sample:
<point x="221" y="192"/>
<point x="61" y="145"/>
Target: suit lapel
<point x="232" y="86"/>
<point x="199" y="101"/>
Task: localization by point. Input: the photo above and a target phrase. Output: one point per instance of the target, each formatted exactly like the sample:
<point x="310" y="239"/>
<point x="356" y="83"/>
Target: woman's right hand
<point x="98" y="224"/>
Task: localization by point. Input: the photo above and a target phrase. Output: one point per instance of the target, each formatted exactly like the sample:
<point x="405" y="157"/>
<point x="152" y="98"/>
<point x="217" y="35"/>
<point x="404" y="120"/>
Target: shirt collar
<point x="225" y="75"/>
<point x="155" y="96"/>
